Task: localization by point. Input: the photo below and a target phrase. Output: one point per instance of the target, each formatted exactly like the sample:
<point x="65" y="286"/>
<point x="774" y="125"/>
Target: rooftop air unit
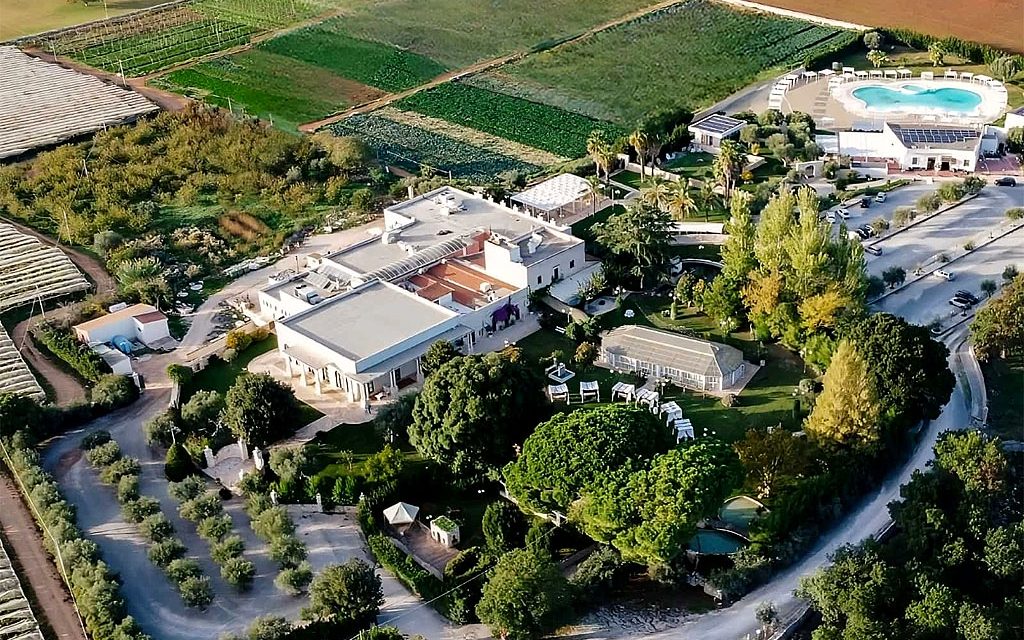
<point x="535" y="241"/>
<point x="485" y="287"/>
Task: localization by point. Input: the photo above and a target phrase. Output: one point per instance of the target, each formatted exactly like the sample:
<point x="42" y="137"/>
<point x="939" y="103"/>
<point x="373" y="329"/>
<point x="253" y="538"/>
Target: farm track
<point x="481" y="67"/>
<point x="51" y="600"/>
<point x="66" y="388"/>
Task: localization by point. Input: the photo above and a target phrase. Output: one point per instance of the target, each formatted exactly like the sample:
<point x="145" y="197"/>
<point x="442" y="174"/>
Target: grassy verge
<point x="1004" y="380"/>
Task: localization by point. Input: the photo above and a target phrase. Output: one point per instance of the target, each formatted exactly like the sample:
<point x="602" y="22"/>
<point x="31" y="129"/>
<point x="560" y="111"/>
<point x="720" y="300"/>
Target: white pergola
<point x="554" y="196"/>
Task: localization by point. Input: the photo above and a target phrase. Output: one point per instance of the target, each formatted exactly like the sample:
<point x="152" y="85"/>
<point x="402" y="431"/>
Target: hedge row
<point x="273" y="524"/>
<point x="972" y="51"/>
<point x="165" y="551"/>
<point x="204" y="508"/>
<point x="93" y="584"/>
<point x="63" y="344"/>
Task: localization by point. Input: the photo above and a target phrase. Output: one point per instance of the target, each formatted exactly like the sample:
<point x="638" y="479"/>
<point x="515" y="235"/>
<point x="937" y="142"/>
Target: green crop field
<point x="403" y="145"/>
<point x="288" y="92"/>
<point x="692" y="54"/>
<point x="537" y="125"/>
<point x="327" y="45"/>
<point x="457" y="33"/>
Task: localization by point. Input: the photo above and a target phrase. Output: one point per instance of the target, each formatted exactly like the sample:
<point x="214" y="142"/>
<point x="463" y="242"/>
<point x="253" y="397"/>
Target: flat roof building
<point x="709" y="131"/>
<point x="916" y="146"/>
<point x="687" y="362"/>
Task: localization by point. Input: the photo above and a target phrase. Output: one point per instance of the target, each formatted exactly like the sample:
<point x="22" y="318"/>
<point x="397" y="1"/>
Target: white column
<point x="288" y="365"/>
<point x="316" y="382"/>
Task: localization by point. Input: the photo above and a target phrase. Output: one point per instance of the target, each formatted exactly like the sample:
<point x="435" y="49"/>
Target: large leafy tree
<point x="953" y="566"/>
<point x="342" y="592"/>
<point x="18" y="412"/>
<point x="848" y="410"/>
<point x="474" y="409"/>
<point x="907" y="366"/>
<point x="504" y="526"/>
<point x="638" y="238"/>
<point x="259" y="409"/>
<point x="775" y="225"/>
<point x="998" y="328"/>
<point x="772" y="458"/>
<point x="436" y="355"/>
<point x="738" y="250"/>
<point x="571" y="452"/>
<point x="650" y="515"/>
<point x="526" y="597"/>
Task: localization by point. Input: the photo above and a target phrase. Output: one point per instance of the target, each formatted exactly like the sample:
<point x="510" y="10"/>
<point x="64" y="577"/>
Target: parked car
<point x="831" y="217"/>
<point x="945" y="275"/>
<point x="864" y="235"/>
<point x="875" y="251"/>
<point x="1006" y="181"/>
<point x="880" y="197"/>
<point x="843" y="213"/>
<point x="960" y="303"/>
<point x="865" y="202"/>
<point x="966" y="295"/>
<point x="868" y="230"/>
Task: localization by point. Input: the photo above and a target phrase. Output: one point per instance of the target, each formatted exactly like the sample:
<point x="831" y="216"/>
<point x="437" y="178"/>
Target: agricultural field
<point x="25" y="17"/>
<point x="994" y="22"/>
<point x="153" y="40"/>
<point x="286" y="91"/>
<point x="406" y="146"/>
<point x="692" y="54"/>
<point x="458" y="33"/>
<point x="537" y="125"/>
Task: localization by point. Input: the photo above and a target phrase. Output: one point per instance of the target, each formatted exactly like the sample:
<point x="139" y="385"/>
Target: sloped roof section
<point x="669" y="349"/>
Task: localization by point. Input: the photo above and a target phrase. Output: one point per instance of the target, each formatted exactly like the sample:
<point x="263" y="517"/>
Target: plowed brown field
<point x="996" y="22"/>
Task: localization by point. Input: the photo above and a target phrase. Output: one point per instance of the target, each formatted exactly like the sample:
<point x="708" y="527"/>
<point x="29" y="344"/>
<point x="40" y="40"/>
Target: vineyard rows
<point x="537" y="125"/>
<point x="406" y="146"/>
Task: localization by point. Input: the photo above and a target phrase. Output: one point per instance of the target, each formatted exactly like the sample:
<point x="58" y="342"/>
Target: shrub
<point x="205" y="506"/>
<point x="189" y="488"/>
<point x="504" y="526"/>
<point x="273" y="523"/>
<point x="156" y="527"/>
<point x="1015" y="213"/>
<point x="238" y="340"/>
<point x="120" y="468"/>
<point x="346" y="490"/>
<point x="294" y="580"/>
<point x="538" y="539"/>
<point x="179" y="373"/>
<point x="879" y="224"/>
<point x="95" y="439"/>
<point x="238" y="572"/>
<point x="405" y="568"/>
<point x="113" y="391"/>
<point x="214" y="528"/>
<point x="128" y="489"/>
<point x="158" y="430"/>
<point x="968" y="246"/>
<point x="597" y="574"/>
<point x="163" y="553"/>
<point x="257" y="503"/>
<point x="104" y="454"/>
<point x="65" y="345"/>
<point x="181" y="568"/>
<point x="929" y="202"/>
<point x="177" y="464"/>
<point x="227" y="548"/>
<point x="902" y="216"/>
<point x="287" y="550"/>
<point x="973" y="184"/>
<point x="196" y="591"/>
<point x="729" y="400"/>
<point x="950" y="191"/>
<point x="138" y="510"/>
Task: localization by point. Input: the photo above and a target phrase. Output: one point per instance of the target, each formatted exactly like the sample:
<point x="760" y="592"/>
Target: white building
<point x="909" y="147"/>
<point x="687" y="362"/>
<point x="709" y="131"/>
<point x="1014" y="119"/>
<point x="139" y="322"/>
<point x="447" y="265"/>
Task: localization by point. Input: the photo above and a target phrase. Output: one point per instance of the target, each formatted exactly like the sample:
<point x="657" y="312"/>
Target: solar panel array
<point x="935" y="135"/>
<point x="717" y="123"/>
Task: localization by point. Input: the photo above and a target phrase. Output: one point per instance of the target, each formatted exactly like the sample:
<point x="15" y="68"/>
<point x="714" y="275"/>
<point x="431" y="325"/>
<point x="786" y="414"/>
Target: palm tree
<point x="640" y="142"/>
<point x="594" y="190"/>
<point x="601" y="151"/>
<point x="680" y="201"/>
<point x="143" y="278"/>
<point x="877" y="58"/>
<point x="656" y="192"/>
<point x="708" y="199"/>
<point x="727" y="166"/>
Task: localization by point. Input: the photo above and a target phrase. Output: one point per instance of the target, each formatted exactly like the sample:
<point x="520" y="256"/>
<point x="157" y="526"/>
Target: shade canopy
<point x="401" y="513"/>
<point x="554" y="193"/>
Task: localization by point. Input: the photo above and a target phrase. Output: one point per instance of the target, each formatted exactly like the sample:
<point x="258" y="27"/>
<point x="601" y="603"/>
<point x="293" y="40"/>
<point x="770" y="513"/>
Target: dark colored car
<point x="1006" y="181"/>
<point x="865" y="202"/>
<point x="967" y="295"/>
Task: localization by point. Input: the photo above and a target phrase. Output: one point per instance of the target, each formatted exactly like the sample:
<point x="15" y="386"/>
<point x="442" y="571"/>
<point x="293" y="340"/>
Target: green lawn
<point x="690" y="165"/>
<point x="1004" y="380"/>
<point x="460" y="32"/>
<point x="693" y="54"/>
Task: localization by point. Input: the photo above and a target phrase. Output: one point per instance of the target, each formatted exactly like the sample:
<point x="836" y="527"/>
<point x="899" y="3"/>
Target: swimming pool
<point x="716" y="542"/>
<point x="917" y="98"/>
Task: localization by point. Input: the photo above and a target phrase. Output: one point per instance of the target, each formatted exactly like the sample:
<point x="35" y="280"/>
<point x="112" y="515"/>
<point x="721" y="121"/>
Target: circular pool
<point x="914" y="97"/>
<point x="942" y="100"/>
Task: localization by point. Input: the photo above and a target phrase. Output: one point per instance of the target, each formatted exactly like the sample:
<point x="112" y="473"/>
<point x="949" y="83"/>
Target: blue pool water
<point x="911" y="97"/>
<point x="716" y="542"/>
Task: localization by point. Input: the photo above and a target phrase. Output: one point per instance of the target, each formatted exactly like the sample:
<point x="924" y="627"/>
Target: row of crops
<point x="411" y="147"/>
<point x="537" y="125"/>
<point x="147" y="41"/>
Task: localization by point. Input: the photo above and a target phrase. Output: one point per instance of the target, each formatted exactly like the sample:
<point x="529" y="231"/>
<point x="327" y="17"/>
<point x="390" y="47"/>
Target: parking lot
<point x="928" y="299"/>
<point x="944" y="232"/>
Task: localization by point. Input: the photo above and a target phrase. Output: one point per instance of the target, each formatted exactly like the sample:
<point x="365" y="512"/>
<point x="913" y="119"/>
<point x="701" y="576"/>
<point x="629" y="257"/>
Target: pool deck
<point x="829" y="113"/>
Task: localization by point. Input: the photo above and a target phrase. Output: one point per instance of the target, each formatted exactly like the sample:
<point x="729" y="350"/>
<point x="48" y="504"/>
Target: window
<point x="572" y="263"/>
<point x="540" y="279"/>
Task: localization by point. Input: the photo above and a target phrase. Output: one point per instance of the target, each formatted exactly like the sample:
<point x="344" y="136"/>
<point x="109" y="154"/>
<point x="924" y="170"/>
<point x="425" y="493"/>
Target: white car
<point x="945" y="275"/>
<point x="843" y="213"/>
<point x="880" y="197"/>
<point x="831" y="217"/>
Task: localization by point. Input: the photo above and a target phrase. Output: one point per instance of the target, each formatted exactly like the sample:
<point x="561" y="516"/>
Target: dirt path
<point x="481" y="67"/>
<point x="66" y="388"/>
<point x="51" y="601"/>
